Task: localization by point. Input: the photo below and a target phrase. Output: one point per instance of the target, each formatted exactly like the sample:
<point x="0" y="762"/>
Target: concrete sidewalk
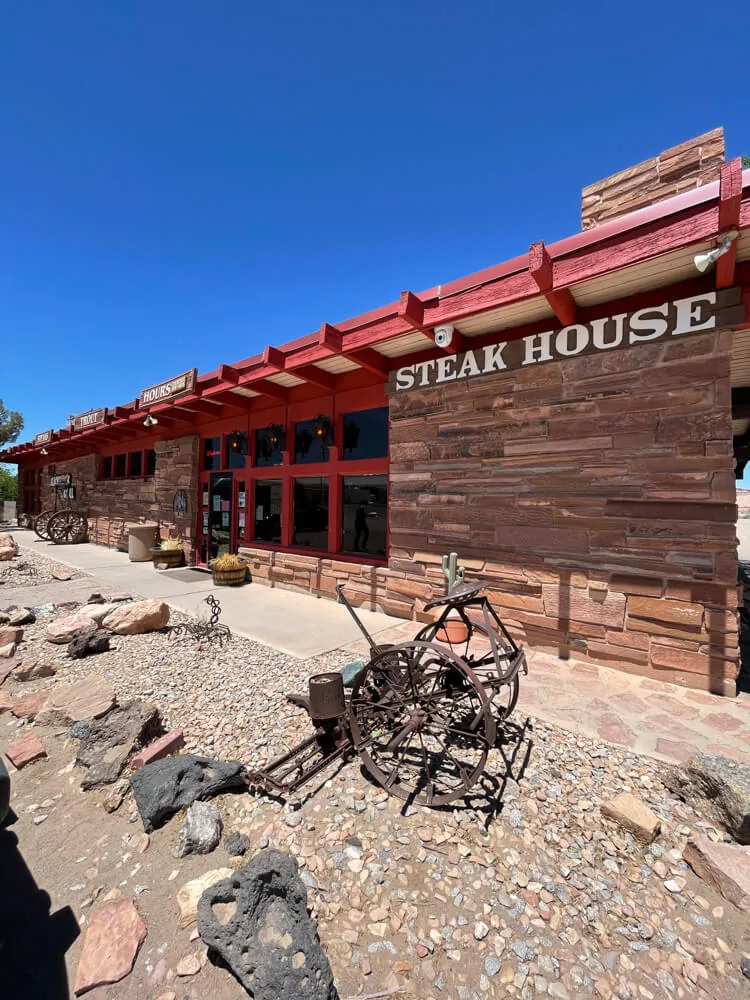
<point x="296" y="624"/>
<point x="645" y="715"/>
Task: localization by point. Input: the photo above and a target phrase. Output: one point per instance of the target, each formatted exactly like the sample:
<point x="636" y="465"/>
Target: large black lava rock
<point x="270" y="943"/>
<point x="164" y="787"/>
<point x="86" y="642"/>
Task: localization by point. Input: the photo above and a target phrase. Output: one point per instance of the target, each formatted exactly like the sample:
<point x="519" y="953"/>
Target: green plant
<point x="170" y="544"/>
<point x="228" y="561"/>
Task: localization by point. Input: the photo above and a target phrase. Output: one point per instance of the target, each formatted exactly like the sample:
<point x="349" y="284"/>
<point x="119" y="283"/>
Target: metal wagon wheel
<point x="474" y="647"/>
<point x="67" y="526"/>
<point x="41" y="524"/>
<point x="422" y="723"/>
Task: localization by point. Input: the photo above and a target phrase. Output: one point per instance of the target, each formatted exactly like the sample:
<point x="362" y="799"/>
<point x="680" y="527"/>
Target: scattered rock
<point x="236" y="844"/>
<point x="6" y="669"/>
<point x="87" y="643"/>
<point x="188" y="965"/>
<point x="166" y="786"/>
<point x="6" y="701"/>
<point x="25" y="750"/>
<point x="21" y="616"/>
<point x="113" y="937"/>
<point x="726" y="867"/>
<point x="189" y="894"/>
<point x="7" y="651"/>
<point x="719" y="786"/>
<point x="167" y="744"/>
<point x="68" y="703"/>
<point x="107" y="743"/>
<point x="745" y="967"/>
<point x="62" y="630"/>
<point x="61" y="573"/>
<point x="270" y="943"/>
<point x="138" y="617"/>
<point x="30" y="705"/>
<point x="201" y="830"/>
<point x="7" y="553"/>
<point x="115" y="797"/>
<point x="629" y="812"/>
<point x="33" y="669"/>
<point x="9" y="635"/>
<point x="97" y="612"/>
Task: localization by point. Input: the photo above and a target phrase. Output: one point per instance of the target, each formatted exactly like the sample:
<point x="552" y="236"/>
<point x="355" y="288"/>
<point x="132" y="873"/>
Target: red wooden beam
<point x="411" y="309"/>
<point x="229" y="374"/>
<point x="202" y="406"/>
<point x="229" y="398"/>
<point x="370" y="360"/>
<point x="273" y="358"/>
<point x="314" y="375"/>
<point x="330" y="338"/>
<point x="560" y="299"/>
<point x="121" y="413"/>
<point x="270" y="389"/>
<point x="730" y="201"/>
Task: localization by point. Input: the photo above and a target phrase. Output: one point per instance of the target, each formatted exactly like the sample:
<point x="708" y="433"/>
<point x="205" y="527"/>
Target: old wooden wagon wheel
<point x="41" y="524"/>
<point x="67" y="526"/>
<point x="422" y="723"/>
<point x="468" y="639"/>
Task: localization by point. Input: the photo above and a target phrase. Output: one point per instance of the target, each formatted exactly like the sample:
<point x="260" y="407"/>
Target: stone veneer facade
<point x="112" y="504"/>
<point x="595" y="497"/>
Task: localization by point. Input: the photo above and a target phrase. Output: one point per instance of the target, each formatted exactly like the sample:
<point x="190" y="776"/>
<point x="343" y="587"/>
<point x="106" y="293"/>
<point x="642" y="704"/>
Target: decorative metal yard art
<point x="421" y="714"/>
<point x="62" y="525"/>
<point x="204" y="630"/>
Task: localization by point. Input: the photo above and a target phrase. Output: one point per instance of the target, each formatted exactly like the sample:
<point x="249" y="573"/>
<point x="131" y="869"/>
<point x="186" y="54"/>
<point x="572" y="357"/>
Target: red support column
<point x="334" y="502"/>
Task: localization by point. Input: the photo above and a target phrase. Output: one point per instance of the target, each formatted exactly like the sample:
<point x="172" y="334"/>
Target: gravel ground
<point x="527" y="891"/>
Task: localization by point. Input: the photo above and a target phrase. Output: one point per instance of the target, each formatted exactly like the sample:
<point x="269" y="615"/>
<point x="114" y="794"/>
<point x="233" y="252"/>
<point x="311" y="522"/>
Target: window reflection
<point x="364" y="514"/>
<point x="312" y="439"/>
<point x="269" y="444"/>
<point x="311" y="513"/>
<point x="366" y="433"/>
<point x="268" y="510"/>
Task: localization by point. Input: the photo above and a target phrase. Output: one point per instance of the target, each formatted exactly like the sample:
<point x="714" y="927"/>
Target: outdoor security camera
<point x="444" y="335"/>
<point x="703" y="261"/>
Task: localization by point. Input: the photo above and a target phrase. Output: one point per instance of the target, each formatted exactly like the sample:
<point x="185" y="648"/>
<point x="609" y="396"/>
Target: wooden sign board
<point x="176" y="386"/>
<point x="64" y="479"/>
<point x="92" y="418"/>
<point x="696" y="314"/>
<point x="43" y="438"/>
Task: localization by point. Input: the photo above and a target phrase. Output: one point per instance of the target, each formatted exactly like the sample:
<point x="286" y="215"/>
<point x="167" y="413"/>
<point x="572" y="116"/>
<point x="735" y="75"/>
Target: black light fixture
<point x="237" y="442"/>
<point x="274" y="435"/>
<point x="321" y="427"/>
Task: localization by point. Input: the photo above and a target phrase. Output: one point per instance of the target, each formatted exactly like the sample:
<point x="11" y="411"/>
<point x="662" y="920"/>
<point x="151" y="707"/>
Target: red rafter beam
<point x="730" y="200"/>
<point x="367" y="358"/>
<point x="234" y="399"/>
<point x="411" y="310"/>
<point x="273" y="358"/>
<point x="315" y="376"/>
<point x="560" y="299"/>
<point x="229" y="374"/>
<point x="202" y="406"/>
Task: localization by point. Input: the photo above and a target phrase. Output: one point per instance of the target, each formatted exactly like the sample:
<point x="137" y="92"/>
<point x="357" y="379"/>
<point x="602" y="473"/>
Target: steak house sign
<point x="709" y="311"/>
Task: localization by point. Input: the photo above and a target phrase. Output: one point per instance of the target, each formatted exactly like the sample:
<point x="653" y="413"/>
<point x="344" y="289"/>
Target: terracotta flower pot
<point x="453" y="631"/>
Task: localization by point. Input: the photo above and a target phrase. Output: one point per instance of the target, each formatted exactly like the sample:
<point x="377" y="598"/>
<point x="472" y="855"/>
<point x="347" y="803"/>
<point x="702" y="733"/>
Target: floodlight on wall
<point x="703" y="261"/>
<point x="150" y="421"/>
<point x="44" y="452"/>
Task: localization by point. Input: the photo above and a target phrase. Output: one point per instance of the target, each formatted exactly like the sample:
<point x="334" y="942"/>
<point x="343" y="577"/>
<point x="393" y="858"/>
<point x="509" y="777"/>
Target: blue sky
<point x="183" y="183"/>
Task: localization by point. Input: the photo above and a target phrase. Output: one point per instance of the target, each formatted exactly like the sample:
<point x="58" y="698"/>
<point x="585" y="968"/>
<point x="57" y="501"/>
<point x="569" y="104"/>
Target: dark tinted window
<point x="120" y="465"/>
<point x="212" y="453"/>
<point x="366" y="433"/>
<point x="311" y="440"/>
<point x="150" y="462"/>
<point x="107" y="467"/>
<point x="364" y="515"/>
<point x="268" y="510"/>
<point x="236" y="445"/>
<point x="136" y="463"/>
<point x="269" y="444"/>
<point x="311" y="513"/>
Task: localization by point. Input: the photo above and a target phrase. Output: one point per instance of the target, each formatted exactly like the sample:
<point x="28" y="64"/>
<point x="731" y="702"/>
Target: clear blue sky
<point x="185" y="182"/>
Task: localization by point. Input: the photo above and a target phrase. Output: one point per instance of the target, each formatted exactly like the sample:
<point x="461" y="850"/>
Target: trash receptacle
<point x="140" y="541"/>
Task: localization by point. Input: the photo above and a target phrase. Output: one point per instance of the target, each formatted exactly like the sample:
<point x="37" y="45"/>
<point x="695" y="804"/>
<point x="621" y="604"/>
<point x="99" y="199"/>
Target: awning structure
<point x="627" y="261"/>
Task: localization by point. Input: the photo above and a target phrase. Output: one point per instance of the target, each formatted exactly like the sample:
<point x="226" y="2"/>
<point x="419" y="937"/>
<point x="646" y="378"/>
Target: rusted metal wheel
<point x="472" y="644"/>
<point x="41" y="524"/>
<point x="422" y="723"/>
<point x="67" y="527"/>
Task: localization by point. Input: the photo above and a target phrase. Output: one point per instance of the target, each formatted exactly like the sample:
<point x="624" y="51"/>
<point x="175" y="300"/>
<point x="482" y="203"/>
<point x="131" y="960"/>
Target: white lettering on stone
<point x="444" y="372"/>
<point x="425" y="368"/>
<point x="689" y="313"/>
<point x="493" y="358"/>
<point x="567" y="347"/>
<point x="644" y="325"/>
<point x="599" y="332"/>
<point x="405" y="378"/>
<point x="537" y="348"/>
<point x="469" y="366"/>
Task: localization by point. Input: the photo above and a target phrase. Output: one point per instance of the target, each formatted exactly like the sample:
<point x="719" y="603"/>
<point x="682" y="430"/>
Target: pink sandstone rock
<point x="30" y="705"/>
<point x="63" y="630"/>
<point x="725" y="867"/>
<point x="138" y="617"/>
<point x="6" y="669"/>
<point x="168" y="744"/>
<point x="7" y="650"/>
<point x="9" y="634"/>
<point x="6" y="701"/>
<point x="25" y="750"/>
<point x="68" y="703"/>
<point x="629" y="812"/>
<point x="113" y="937"/>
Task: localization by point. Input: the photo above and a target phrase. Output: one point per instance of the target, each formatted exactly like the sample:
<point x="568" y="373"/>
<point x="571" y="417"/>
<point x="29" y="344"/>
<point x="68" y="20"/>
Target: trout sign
<point x="708" y="311"/>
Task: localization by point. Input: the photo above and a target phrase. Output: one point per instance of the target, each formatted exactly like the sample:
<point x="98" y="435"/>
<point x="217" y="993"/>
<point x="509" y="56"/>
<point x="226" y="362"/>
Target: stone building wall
<point x="594" y="496"/>
<point x="112" y="504"/>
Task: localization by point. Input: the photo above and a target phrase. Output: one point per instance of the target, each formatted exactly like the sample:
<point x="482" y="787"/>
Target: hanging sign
<point x="64" y="479"/>
<point x="168" y="390"/>
<point x="696" y="314"/>
<point x="92" y="418"/>
<point x="69" y="493"/>
<point x="43" y="438"/>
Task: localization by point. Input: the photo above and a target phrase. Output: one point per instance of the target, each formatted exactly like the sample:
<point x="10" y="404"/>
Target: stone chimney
<point x="689" y="165"/>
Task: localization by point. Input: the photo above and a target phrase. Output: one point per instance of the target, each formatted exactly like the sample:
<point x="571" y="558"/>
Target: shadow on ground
<point x="33" y="941"/>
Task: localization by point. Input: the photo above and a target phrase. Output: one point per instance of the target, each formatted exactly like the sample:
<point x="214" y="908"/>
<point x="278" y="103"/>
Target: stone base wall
<point x="595" y="497"/>
<point x="112" y="504"/>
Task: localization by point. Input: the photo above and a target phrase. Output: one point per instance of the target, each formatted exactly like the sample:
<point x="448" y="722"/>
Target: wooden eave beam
<point x="411" y="310"/>
<point x="270" y="389"/>
<point x="730" y="202"/>
<point x="274" y="359"/>
<point x="561" y="300"/>
<point x="332" y="339"/>
<point x="229" y="398"/>
<point x="314" y="376"/>
<point x="202" y="406"/>
<point x="228" y="374"/>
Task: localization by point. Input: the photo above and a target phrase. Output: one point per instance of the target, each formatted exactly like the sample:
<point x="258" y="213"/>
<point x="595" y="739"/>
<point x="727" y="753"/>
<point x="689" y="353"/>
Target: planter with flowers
<point x="228" y="571"/>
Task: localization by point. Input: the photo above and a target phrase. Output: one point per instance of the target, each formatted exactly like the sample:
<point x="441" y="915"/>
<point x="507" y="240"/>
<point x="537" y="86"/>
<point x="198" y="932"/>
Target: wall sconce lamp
<point x="237" y="442"/>
<point x="150" y="421"/>
<point x="274" y="435"/>
<point x="322" y="427"/>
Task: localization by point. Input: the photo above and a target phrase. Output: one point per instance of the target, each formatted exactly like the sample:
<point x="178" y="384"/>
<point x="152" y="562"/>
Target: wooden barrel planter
<point x="168" y="557"/>
<point x="229" y="577"/>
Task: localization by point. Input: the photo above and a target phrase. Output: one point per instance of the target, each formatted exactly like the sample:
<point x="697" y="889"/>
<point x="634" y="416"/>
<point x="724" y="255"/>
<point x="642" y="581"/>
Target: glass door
<point x="220" y="514"/>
